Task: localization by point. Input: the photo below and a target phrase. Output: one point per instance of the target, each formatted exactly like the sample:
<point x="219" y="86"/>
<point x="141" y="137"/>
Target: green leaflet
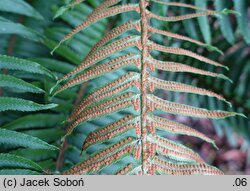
<point x="203" y="22"/>
<point x="54" y="65"/>
<point x="17" y="104"/>
<point x="35" y="154"/>
<point x="225" y="25"/>
<point x="240" y="6"/>
<point x="13" y="138"/>
<point x="19" y="7"/>
<point x="48" y="164"/>
<point x="47" y="135"/>
<point x="35" y="121"/>
<point x="9" y="160"/>
<point x="18" y="172"/>
<point x="8" y="27"/>
<point x="13" y="63"/>
<point x="18" y="85"/>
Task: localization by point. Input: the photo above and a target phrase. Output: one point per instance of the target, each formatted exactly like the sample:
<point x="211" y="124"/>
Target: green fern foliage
<point x="133" y="139"/>
<point x="21" y="7"/>
<point x="23" y="165"/>
<point x="228" y="28"/>
<point x="12" y="89"/>
<point x="31" y="120"/>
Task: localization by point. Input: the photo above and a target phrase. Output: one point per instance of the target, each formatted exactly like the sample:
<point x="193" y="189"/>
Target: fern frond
<point x="174" y="35"/>
<point x="155" y="83"/>
<point x="109" y="135"/>
<point x="110" y="89"/>
<point x="178" y="4"/>
<point x="179" y="67"/>
<point x="182" y="109"/>
<point x="130" y="96"/>
<point x="106" y="108"/>
<point x="181" y="37"/>
<point x="13" y="63"/>
<point x="112" y="48"/>
<point x="114" y="33"/>
<point x="160" y="123"/>
<point x="102" y="69"/>
<point x="163" y="167"/>
<point x="180" y="51"/>
<point x="122" y="145"/>
<point x="98" y="15"/>
<point x="173" y="150"/>
<point x="18" y="84"/>
<point x="18" y="104"/>
<point x="113" y="130"/>
<point x="182" y="17"/>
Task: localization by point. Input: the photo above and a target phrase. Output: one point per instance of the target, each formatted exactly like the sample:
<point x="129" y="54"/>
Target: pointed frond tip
<point x="213" y="48"/>
<point x="65" y="8"/>
<point x="56" y="47"/>
<point x="96" y="16"/>
<point x="52" y="89"/>
<point x="228" y="11"/>
<point x="225" y="78"/>
<point x="242" y="115"/>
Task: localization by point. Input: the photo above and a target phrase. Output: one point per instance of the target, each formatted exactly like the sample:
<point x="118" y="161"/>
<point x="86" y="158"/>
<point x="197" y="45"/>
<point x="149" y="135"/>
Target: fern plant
<point x="134" y="140"/>
<point x="30" y="121"/>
